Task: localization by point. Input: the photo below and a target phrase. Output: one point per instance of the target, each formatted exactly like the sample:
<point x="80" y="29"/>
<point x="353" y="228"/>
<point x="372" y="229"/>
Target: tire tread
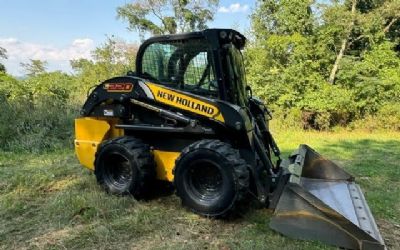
<point x="141" y="155"/>
<point x="239" y="167"/>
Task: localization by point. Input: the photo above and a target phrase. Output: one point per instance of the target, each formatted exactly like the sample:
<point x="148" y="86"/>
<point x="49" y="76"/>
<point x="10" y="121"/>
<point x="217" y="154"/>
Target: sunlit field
<point x="50" y="201"/>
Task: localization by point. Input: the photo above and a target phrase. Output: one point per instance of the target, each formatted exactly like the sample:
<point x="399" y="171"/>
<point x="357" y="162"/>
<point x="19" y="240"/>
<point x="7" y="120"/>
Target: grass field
<point x="49" y="201"/>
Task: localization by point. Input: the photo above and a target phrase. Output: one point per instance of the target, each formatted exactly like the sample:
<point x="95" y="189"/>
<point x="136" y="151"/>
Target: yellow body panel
<point x="89" y="133"/>
<point x="185" y="102"/>
<point x="165" y="162"/>
<point x="114" y="132"/>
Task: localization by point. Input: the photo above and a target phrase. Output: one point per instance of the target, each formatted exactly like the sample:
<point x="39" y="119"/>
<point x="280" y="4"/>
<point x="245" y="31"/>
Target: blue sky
<point x="60" y="30"/>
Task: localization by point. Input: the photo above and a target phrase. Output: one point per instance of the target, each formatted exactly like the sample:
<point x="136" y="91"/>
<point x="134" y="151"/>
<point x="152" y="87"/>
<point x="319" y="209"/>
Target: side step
<point x="322" y="202"/>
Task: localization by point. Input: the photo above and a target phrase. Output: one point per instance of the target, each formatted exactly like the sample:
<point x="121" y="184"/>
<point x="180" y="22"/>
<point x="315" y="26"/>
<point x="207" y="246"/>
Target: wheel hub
<point x="205" y="180"/>
<point x="118" y="170"/>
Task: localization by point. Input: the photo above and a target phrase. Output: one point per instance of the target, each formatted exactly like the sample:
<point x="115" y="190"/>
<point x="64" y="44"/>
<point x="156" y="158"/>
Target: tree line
<point x="38" y="110"/>
<point x="317" y="64"/>
<point x="328" y="63"/>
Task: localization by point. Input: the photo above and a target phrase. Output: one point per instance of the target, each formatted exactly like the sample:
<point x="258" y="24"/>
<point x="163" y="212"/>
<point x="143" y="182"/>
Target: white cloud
<point x="57" y="57"/>
<point x="235" y="7"/>
<point x="84" y="42"/>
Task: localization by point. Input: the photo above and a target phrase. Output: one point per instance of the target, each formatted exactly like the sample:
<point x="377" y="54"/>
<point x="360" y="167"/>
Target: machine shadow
<point x="159" y="189"/>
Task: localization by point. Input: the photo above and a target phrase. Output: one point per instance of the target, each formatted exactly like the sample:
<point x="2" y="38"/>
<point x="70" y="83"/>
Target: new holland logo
<point x="182" y="101"/>
<point x="189" y="103"/>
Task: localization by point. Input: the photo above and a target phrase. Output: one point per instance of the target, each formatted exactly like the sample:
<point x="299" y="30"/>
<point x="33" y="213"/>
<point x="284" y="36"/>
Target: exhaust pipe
<point x="322" y="202"/>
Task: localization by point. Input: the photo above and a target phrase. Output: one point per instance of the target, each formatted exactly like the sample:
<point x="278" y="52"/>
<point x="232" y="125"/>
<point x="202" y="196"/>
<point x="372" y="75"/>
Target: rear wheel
<point x="211" y="178"/>
<point x="124" y="166"/>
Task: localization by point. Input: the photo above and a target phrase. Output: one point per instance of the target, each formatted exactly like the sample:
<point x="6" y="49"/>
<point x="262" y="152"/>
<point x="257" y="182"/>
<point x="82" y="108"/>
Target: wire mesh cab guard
<point x="181" y="64"/>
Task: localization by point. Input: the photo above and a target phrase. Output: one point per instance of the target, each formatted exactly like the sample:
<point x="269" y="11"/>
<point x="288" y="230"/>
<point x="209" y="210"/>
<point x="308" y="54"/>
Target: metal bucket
<point x="322" y="202"/>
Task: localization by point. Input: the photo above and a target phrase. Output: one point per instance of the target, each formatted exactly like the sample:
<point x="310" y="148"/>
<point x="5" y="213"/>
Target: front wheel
<point x="211" y="178"/>
<point x="124" y="166"/>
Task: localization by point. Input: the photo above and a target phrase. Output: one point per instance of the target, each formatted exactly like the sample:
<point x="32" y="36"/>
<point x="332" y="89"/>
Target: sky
<point x="58" y="31"/>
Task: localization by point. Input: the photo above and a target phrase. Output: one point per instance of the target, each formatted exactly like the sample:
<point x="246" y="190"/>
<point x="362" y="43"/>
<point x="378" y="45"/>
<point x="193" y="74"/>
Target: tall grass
<point x="34" y="127"/>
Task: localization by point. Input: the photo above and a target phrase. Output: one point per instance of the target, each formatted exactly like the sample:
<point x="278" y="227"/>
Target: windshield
<point x="183" y="64"/>
<point x="237" y="76"/>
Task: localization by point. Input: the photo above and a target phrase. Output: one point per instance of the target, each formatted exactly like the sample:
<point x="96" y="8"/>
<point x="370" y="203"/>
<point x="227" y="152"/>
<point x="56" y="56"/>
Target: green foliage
<point x="40" y="109"/>
<point x="297" y="43"/>
<point x="167" y="17"/>
<point x="289" y="64"/>
<point x="282" y="17"/>
<point x="375" y="78"/>
<point x="111" y="59"/>
<point x="8" y="86"/>
<point x="34" y="67"/>
<point x="3" y="55"/>
<point x="38" y="112"/>
<point x="387" y="117"/>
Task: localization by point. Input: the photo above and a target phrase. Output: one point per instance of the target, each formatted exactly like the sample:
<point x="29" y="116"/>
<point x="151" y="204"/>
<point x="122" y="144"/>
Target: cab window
<point x="186" y="65"/>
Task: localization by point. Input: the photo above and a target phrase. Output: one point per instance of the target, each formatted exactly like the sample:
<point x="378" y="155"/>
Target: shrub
<point x="36" y="113"/>
<point x="389" y="115"/>
<point x="46" y="125"/>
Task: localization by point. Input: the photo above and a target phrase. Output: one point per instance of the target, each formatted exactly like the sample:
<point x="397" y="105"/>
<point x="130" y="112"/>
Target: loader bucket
<point x="322" y="202"/>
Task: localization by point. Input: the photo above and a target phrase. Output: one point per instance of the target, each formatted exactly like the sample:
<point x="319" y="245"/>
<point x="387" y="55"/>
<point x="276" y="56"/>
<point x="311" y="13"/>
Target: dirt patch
<point x="390" y="233"/>
<point x="190" y="232"/>
<point x="52" y="238"/>
<point x="60" y="185"/>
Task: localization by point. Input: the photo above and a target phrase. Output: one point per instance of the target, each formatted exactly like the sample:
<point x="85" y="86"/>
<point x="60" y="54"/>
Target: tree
<point x="284" y="17"/>
<point x="3" y="55"/>
<point x="113" y="58"/>
<point x="167" y="16"/>
<point x="367" y="22"/>
<point x="301" y="47"/>
<point x="8" y="86"/>
<point x="34" y="67"/>
<point x="282" y="56"/>
<point x="348" y="29"/>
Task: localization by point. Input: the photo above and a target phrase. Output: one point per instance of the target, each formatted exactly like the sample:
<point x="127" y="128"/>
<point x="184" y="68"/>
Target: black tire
<point x="124" y="165"/>
<point x="211" y="178"/>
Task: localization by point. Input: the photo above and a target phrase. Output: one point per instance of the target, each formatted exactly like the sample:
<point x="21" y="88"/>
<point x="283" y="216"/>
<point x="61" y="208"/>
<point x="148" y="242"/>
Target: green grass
<point x="48" y="201"/>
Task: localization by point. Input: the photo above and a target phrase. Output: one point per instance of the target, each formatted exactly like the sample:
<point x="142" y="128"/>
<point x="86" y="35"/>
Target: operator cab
<point x="207" y="63"/>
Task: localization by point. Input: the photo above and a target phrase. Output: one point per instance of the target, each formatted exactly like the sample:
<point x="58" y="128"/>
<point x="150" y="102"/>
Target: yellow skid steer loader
<point x="187" y="116"/>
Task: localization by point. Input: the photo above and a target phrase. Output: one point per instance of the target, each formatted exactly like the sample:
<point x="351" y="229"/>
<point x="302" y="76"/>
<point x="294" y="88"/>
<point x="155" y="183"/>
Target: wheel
<point x="124" y="165"/>
<point x="211" y="178"/>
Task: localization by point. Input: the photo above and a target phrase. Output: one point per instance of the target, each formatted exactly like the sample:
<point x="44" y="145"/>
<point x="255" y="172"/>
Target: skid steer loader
<point x="186" y="116"/>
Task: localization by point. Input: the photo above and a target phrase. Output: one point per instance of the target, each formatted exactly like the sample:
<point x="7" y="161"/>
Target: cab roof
<point x="216" y="37"/>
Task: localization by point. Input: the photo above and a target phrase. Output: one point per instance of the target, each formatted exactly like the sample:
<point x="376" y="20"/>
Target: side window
<point x="237" y="76"/>
<point x="199" y="72"/>
<point x="155" y="60"/>
<point x="181" y="64"/>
